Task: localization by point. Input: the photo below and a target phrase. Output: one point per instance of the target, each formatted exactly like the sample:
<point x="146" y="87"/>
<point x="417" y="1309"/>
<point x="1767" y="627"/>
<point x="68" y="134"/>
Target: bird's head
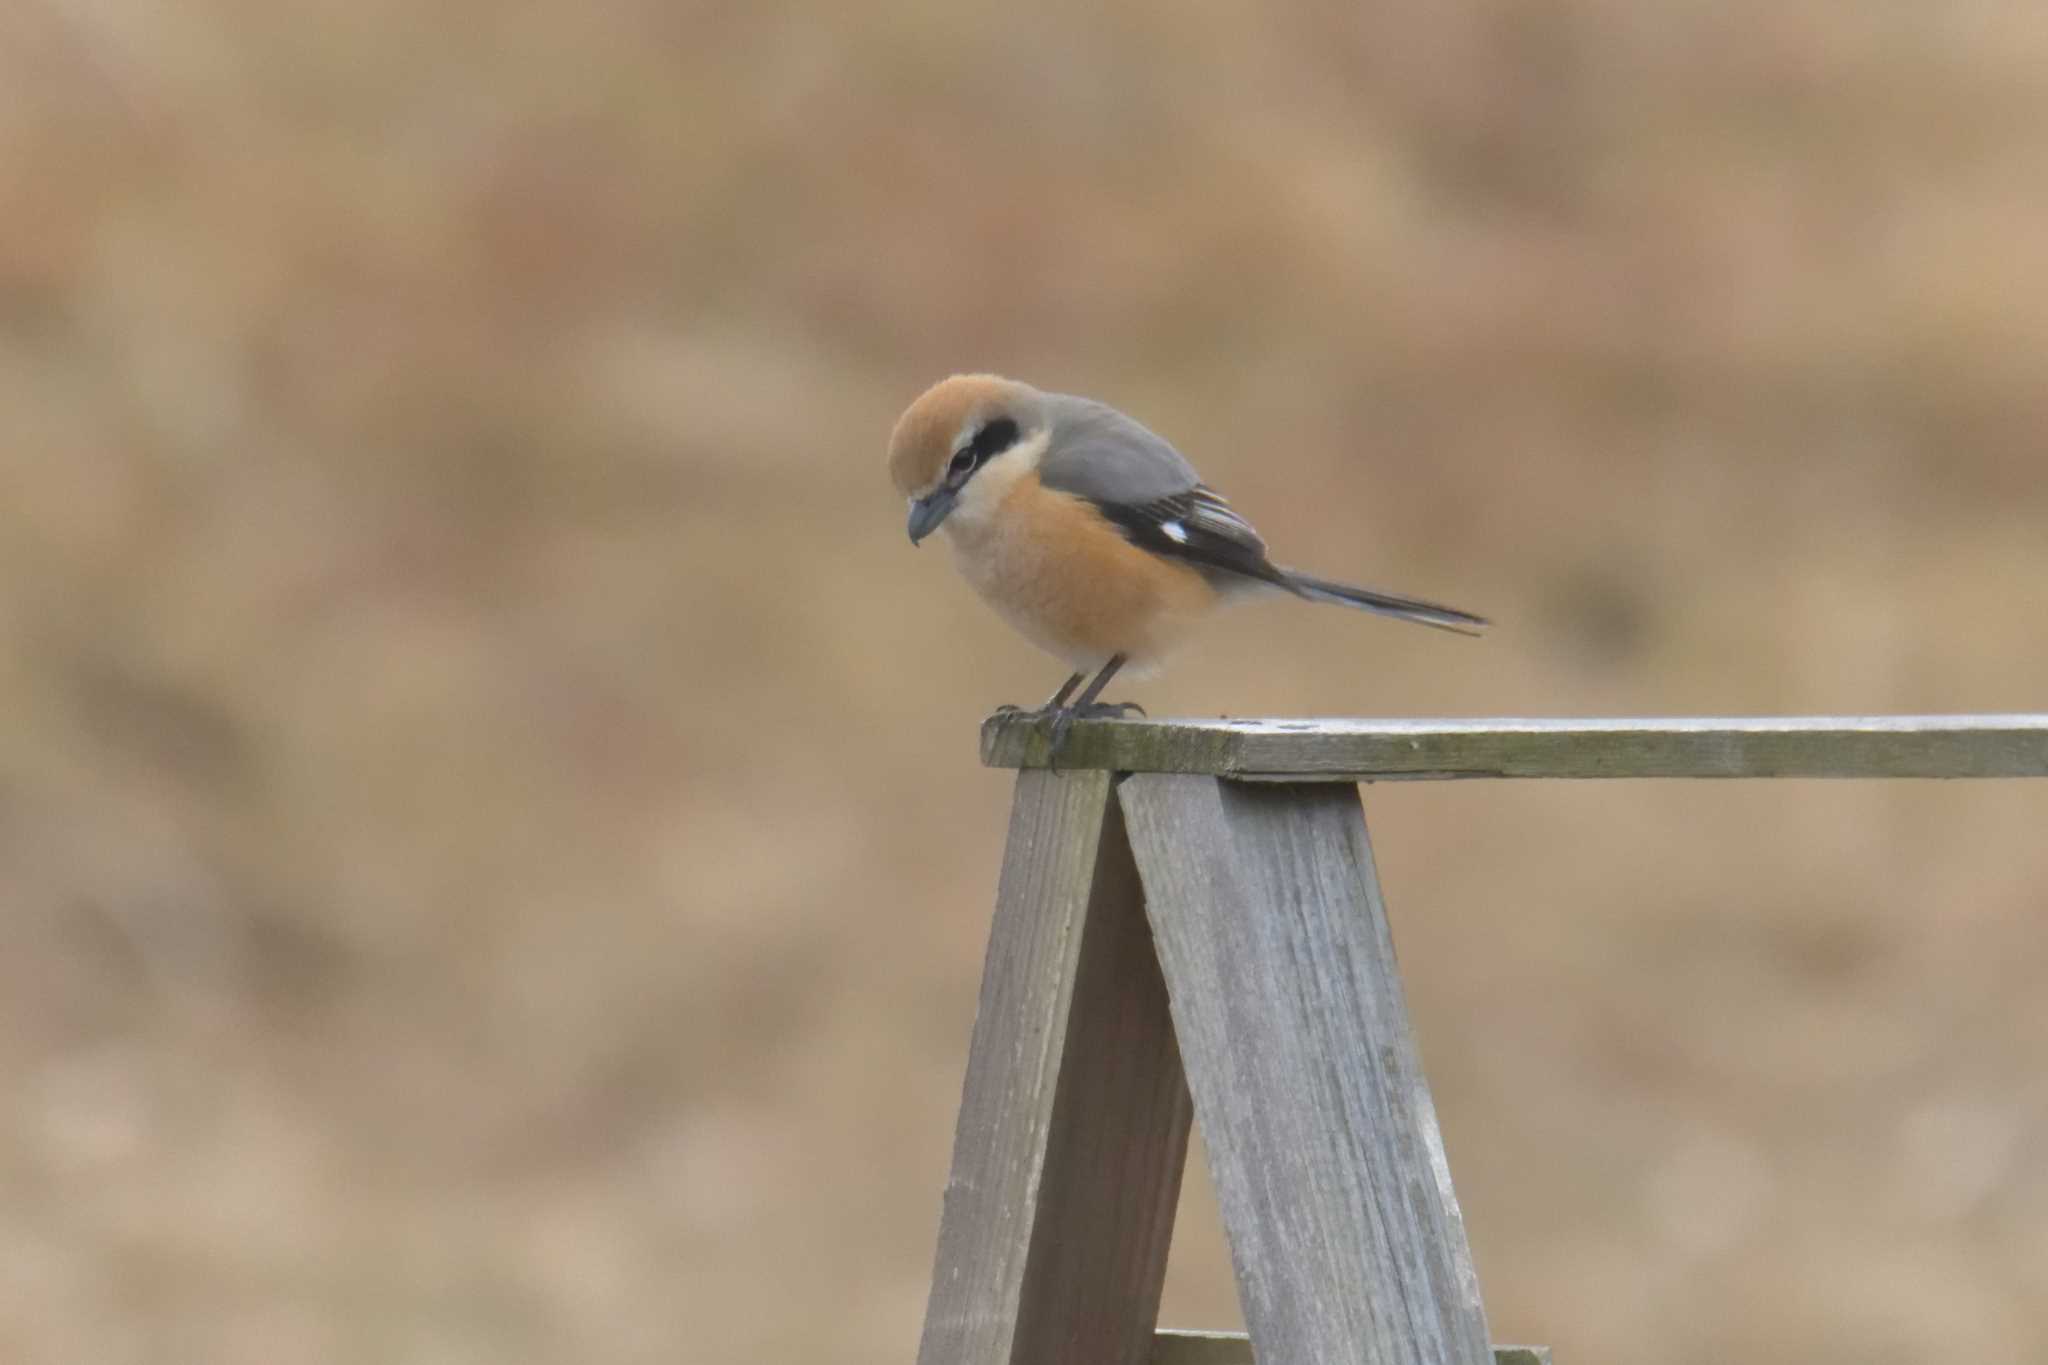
<point x="955" y="430"/>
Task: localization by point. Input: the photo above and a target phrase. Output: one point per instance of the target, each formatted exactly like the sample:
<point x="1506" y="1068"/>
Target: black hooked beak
<point x="928" y="511"/>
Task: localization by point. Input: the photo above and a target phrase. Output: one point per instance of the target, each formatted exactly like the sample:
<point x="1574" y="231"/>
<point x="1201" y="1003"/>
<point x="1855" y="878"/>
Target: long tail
<point x="1385" y="603"/>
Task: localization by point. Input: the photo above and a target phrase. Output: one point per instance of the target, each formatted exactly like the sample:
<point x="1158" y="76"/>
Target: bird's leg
<point x="1058" y="700"/>
<point x="1063" y="717"/>
<point x="1086" y="705"/>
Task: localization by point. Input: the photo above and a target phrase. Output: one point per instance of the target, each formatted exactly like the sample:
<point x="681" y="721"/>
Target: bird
<point x="1090" y="535"/>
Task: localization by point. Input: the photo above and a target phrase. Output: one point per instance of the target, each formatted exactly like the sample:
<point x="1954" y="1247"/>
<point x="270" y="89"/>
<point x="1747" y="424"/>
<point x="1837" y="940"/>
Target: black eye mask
<point x="996" y="436"/>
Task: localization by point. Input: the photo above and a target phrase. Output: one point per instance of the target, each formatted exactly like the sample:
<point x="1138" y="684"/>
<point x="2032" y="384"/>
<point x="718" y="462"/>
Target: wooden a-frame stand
<point x="1210" y="926"/>
<point x="1169" y="946"/>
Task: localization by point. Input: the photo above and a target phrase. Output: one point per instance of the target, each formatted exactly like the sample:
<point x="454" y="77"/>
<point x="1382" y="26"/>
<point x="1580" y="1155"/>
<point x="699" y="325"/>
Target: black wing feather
<point x="1199" y="527"/>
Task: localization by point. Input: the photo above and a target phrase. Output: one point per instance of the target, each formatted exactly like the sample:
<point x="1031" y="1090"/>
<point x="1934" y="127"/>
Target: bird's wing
<point x="1099" y="454"/>
<point x="1148" y="491"/>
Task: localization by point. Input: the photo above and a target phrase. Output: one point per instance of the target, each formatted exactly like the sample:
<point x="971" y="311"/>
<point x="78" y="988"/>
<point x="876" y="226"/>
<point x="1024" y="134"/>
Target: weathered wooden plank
<point x="1322" y="1137"/>
<point x="1235" y="1348"/>
<point x="1074" y="1119"/>
<point x="1201" y="1348"/>
<point x="1365" y="750"/>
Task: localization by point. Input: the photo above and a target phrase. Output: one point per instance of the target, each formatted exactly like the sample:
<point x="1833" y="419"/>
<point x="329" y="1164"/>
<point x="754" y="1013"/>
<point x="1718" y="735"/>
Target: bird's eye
<point x="997" y="435"/>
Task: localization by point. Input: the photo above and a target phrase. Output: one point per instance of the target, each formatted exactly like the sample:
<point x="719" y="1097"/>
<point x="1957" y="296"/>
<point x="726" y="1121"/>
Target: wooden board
<point x="1235" y="1348"/>
<point x="1358" y="750"/>
<point x="1074" y="1119"/>
<point x="1322" y="1137"/>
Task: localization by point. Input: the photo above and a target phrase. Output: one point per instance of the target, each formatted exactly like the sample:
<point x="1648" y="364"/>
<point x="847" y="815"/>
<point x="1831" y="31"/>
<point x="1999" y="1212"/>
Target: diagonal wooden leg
<point x="1074" y="1121"/>
<point x="1322" y="1137"/>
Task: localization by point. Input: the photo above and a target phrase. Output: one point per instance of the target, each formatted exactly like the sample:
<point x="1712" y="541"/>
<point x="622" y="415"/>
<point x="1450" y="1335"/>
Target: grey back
<point x="1098" y="453"/>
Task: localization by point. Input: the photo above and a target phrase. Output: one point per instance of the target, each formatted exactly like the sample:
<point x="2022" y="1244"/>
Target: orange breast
<point x="1064" y="577"/>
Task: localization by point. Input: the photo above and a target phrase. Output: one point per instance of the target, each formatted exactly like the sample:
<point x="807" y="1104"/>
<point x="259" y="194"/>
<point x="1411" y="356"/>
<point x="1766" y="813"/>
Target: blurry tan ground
<point x="494" y="867"/>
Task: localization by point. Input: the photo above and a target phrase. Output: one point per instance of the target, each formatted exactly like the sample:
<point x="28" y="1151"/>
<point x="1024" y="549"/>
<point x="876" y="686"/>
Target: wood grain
<point x="1364" y="750"/>
<point x="1074" y="1119"/>
<point x="1322" y="1137"/>
<point x="1235" y="1348"/>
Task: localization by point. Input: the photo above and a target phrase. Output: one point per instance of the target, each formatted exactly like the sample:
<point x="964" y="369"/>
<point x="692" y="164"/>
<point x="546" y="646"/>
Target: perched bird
<point x="1089" y="534"/>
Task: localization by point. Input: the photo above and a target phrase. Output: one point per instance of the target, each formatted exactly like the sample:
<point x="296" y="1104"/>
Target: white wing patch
<point x="1196" y="526"/>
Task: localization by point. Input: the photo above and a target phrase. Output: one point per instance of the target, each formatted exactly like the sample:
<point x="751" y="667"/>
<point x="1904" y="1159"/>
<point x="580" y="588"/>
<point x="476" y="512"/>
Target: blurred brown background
<point x="494" y="864"/>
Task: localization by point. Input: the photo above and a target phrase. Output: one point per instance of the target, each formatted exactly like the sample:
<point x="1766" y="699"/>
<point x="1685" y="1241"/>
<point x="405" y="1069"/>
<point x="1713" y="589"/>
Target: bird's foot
<point x="1109" y="710"/>
<point x="1055" y="740"/>
<point x="1063" y="719"/>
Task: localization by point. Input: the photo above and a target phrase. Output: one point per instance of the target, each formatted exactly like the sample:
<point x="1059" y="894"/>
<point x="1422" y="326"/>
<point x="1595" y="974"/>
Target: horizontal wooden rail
<point x="1361" y="750"/>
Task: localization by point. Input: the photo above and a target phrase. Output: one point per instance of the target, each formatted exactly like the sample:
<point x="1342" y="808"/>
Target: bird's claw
<point x="1064" y="717"/>
<point x="1062" y="721"/>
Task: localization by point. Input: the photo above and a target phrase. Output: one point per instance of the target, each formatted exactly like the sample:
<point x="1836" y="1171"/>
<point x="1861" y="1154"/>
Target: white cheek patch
<point x="1174" y="532"/>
